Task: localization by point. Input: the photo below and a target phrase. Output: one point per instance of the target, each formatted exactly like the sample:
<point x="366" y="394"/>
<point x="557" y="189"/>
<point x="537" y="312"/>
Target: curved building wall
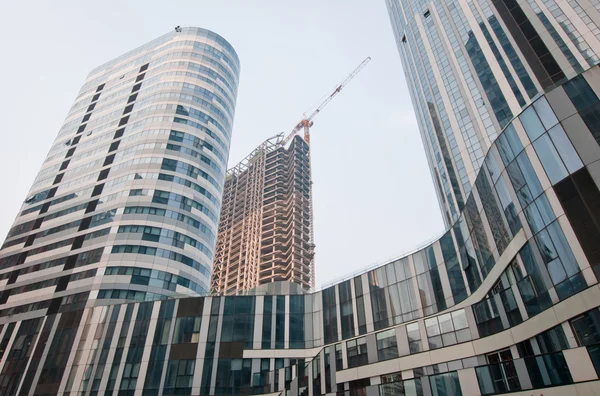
<point x="506" y="301"/>
<point x="471" y="66"/>
<point x="126" y="204"/>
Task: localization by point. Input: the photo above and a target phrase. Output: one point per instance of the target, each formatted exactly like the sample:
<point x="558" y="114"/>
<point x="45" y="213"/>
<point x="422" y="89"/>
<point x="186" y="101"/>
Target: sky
<point x="373" y="194"/>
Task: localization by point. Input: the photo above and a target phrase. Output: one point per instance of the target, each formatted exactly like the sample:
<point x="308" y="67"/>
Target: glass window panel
<point x="557" y="272"/>
<point x="463" y="335"/>
<point x="449" y="339"/>
<point x="431" y="325"/>
<point x="413" y="332"/>
<point x="395" y="302"/>
<point x="587" y="328"/>
<point x="545" y="209"/>
<point x="503" y="193"/>
<point x="391" y="274"/>
<point x="505" y="151"/>
<point x="546" y="246"/>
<point x="553" y="165"/>
<point x="419" y="262"/>
<point x="531" y="179"/>
<point x="565" y="148"/>
<point x="460" y="319"/>
<point x="563" y="249"/>
<point x="545" y="113"/>
<point x="513" y="139"/>
<point x="445" y="384"/>
<point x="594" y="352"/>
<point x="534" y="219"/>
<point x="493" y="165"/>
<point x="445" y="322"/>
<point x="435" y="342"/>
<point x="532" y="123"/>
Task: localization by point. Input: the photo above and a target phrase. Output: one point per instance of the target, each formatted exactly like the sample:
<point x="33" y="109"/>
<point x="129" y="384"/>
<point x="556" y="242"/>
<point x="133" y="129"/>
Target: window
<point x="553" y="165"/>
<point x="548" y="370"/>
<point x="346" y="312"/>
<point x="587" y="328"/>
<point x="445" y="384"/>
<point x="545" y="112"/>
<point x="594" y="352"/>
<point x="329" y="315"/>
<point x="180" y="374"/>
<point x="414" y="338"/>
<point x="394" y="377"/>
<point x="447" y="329"/>
<point x="339" y="360"/>
<point x="187" y="330"/>
<point x="296" y="317"/>
<point x="387" y="345"/>
<point x="565" y="149"/>
<point x="532" y="124"/>
<point x="357" y="352"/>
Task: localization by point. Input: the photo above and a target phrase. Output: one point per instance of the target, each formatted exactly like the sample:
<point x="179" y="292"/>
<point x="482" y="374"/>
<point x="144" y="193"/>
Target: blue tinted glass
<point x="565" y="149"/>
<point x="534" y="219"/>
<point x="535" y="188"/>
<point x="553" y="165"/>
<point x="545" y="209"/>
<point x="556" y="271"/>
<point x="546" y="246"/>
<point x="503" y="193"/>
<point x="492" y="164"/>
<point x="562" y="247"/>
<point x="513" y="139"/>
<point x="545" y="113"/>
<point x="532" y="123"/>
<point x="580" y="93"/>
<point x="504" y="149"/>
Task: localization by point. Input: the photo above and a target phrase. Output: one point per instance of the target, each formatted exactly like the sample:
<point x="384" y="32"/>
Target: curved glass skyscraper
<point x="131" y="189"/>
<point x="506" y="301"/>
<point x="471" y="66"/>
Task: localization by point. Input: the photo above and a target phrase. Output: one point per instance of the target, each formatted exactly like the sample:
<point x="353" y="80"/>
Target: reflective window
<point x="545" y="112"/>
<point x="580" y="92"/>
<point x="565" y="149"/>
<point x="553" y="165"/>
<point x="548" y="370"/>
<point x="447" y="329"/>
<point x="587" y="328"/>
<point x="414" y="338"/>
<point x="532" y="124"/>
<point x="346" y="312"/>
<point x="445" y="384"/>
<point x="357" y="352"/>
<point x="387" y="345"/>
<point x="187" y="330"/>
<point x="339" y="361"/>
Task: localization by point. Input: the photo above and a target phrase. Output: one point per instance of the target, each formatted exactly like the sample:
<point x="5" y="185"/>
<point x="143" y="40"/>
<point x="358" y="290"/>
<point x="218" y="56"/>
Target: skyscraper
<point x="472" y="66"/>
<point x="506" y="301"/>
<point x="127" y="202"/>
<point x="266" y="226"/>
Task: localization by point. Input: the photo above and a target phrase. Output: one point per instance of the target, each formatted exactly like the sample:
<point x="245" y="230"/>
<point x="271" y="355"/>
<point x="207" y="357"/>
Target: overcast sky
<point x="373" y="195"/>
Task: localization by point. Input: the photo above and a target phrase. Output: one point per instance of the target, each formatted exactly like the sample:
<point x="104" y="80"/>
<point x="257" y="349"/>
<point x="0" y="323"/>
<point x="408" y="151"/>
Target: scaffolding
<point x="266" y="224"/>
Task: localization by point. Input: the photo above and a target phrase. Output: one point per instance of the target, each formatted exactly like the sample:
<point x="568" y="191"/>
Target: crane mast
<point x="307" y="122"/>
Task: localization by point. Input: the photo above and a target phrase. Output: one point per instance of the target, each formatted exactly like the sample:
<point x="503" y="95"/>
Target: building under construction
<point x="266" y="225"/>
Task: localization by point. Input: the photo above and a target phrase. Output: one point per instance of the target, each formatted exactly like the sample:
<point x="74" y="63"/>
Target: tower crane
<point x="307" y="122"/>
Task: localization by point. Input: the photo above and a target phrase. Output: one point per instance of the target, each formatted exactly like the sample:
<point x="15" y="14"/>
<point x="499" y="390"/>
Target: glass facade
<point x="505" y="301"/>
<point x="126" y="204"/>
<point x="472" y="66"/>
